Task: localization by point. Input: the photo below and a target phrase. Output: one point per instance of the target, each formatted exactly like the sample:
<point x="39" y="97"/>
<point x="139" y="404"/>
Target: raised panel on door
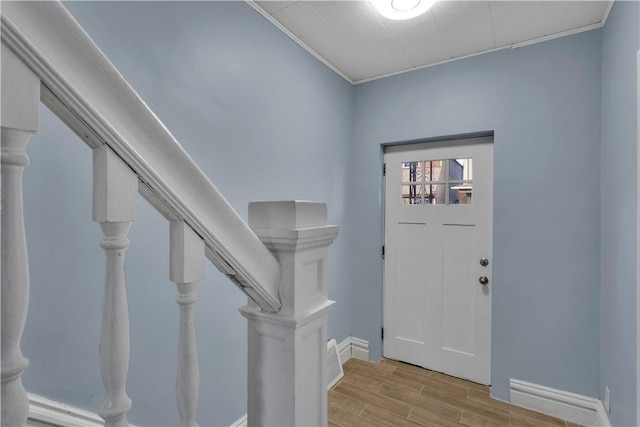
<point x="458" y="298"/>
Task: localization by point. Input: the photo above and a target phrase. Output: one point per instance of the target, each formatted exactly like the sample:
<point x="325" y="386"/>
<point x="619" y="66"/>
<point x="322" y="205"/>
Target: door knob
<point x="483" y="280"/>
<point x="484" y="262"/>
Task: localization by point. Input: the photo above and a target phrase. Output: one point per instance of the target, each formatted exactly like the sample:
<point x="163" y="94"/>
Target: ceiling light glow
<point x="404" y="5"/>
<point x="402" y="9"/>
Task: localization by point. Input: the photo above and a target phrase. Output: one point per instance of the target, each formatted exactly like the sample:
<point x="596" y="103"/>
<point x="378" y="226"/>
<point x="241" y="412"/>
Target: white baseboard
<point x="344" y="350"/>
<point x="603" y="418"/>
<point x="359" y="348"/>
<point x="44" y="412"/>
<point x="557" y="403"/>
<point x="353" y="347"/>
<point x="48" y="412"/>
<point x="241" y="422"/>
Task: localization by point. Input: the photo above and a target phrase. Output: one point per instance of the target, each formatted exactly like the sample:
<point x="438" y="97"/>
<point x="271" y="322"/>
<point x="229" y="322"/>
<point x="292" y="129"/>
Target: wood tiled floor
<point x="394" y="394"/>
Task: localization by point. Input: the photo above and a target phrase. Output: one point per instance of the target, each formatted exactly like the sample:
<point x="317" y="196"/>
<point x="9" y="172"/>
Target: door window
<point x="437" y="182"/>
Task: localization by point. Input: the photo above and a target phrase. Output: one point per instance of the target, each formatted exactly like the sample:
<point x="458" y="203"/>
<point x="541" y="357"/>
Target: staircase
<point x="278" y="260"/>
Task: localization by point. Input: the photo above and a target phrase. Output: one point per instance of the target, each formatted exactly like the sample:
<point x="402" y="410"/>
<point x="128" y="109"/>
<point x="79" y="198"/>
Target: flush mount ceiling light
<point x="402" y="9"/>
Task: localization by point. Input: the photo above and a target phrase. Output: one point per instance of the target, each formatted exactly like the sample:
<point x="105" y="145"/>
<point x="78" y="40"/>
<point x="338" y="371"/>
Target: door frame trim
<point x="637" y="236"/>
<point x="442" y="139"/>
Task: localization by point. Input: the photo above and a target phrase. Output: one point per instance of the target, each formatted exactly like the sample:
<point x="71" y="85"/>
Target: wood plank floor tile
<point x="437" y="407"/>
<point x="346" y="419"/>
<point x="460" y="381"/>
<point x="487" y="409"/>
<point x="383" y="367"/>
<point x="378" y="400"/>
<point x="346" y="403"/>
<point x="484" y="397"/>
<point x="519" y="420"/>
<point x="405" y="366"/>
<point x="439" y="394"/>
<point x="430" y="419"/>
<point x="373" y="413"/>
<point x="350" y="364"/>
<point x="479" y="390"/>
<point x="388" y="379"/>
<point x="391" y="393"/>
<point x="538" y="416"/>
<point x="448" y="386"/>
<point x="361" y="381"/>
<point x="473" y="419"/>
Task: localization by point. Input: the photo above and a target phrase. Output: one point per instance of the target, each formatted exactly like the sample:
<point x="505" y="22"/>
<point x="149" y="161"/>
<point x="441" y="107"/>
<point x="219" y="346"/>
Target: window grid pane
<point x="412" y="194"/>
<point x="437" y="182"/>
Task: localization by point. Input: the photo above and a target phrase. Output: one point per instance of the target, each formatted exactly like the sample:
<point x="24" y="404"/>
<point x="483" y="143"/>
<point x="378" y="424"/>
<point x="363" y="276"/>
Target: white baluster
<point x="115" y="187"/>
<point x="186" y="268"/>
<point x="15" y="277"/>
<point x="20" y="108"/>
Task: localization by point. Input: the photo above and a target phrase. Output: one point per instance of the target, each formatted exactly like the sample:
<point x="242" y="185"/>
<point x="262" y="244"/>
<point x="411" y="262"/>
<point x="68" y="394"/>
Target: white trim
<point x="50" y="412"/>
<point x="557" y="403"/>
<point x="353" y="347"/>
<point x="603" y="417"/>
<point x="320" y="58"/>
<point x="240" y="422"/>
<point x="344" y="350"/>
<point x="511" y="46"/>
<point x="638" y="237"/>
<point x="558" y="35"/>
<point x="359" y="348"/>
<point x="606" y="13"/>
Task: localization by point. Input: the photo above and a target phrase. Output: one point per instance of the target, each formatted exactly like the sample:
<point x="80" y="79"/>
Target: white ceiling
<point x="360" y="45"/>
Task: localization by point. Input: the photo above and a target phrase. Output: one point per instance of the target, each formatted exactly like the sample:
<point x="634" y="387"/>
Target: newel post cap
<point x="287" y="215"/>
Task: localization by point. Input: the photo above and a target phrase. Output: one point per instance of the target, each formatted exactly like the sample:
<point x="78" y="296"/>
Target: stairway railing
<point x="85" y="90"/>
<point x="47" y="56"/>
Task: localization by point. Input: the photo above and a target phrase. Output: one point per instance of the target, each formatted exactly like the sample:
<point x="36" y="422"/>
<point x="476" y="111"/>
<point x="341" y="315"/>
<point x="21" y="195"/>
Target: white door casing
<point x="437" y="314"/>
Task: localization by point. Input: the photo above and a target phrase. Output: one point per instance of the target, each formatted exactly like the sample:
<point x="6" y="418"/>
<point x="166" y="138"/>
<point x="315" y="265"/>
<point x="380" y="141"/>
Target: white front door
<point x="438" y="249"/>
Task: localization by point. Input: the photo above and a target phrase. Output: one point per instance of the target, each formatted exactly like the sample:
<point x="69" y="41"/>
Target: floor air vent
<point x="334" y="367"/>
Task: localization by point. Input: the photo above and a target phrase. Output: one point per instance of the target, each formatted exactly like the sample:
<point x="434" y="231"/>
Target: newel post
<point x="287" y="383"/>
<point x="20" y="115"/>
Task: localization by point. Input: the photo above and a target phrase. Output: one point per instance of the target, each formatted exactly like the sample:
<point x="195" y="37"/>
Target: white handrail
<point x="87" y="92"/>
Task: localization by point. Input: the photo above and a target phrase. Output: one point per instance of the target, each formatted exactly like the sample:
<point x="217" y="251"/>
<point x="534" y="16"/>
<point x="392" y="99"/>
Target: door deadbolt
<point x="483" y="280"/>
<point x="484" y="262"/>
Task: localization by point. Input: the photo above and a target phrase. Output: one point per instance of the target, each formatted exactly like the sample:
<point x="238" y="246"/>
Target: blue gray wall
<point x="543" y="103"/>
<point x="266" y="121"/>
<point x="618" y="354"/>
<point x="263" y="119"/>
